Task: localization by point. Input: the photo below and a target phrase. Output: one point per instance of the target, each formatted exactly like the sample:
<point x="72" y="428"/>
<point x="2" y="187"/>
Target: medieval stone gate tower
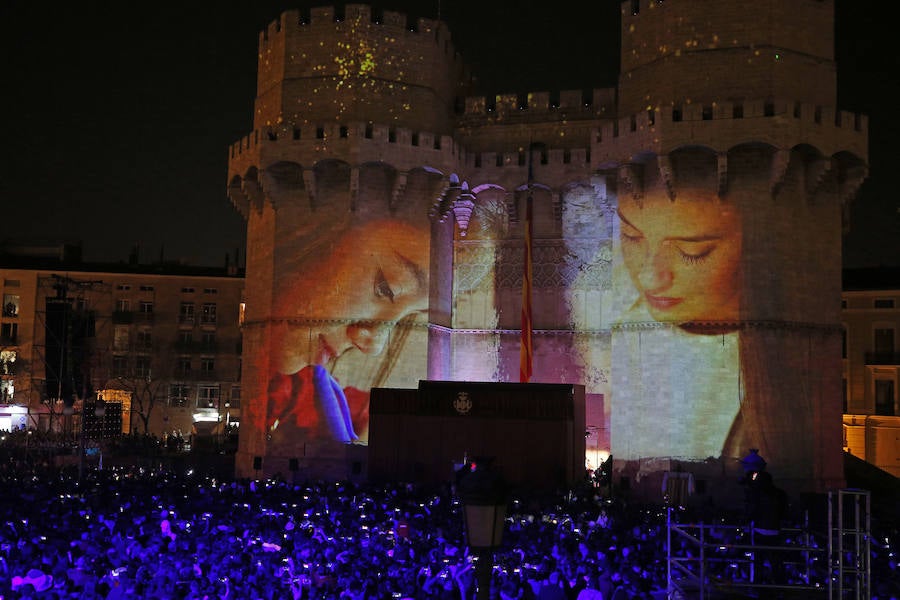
<point x="385" y="211"/>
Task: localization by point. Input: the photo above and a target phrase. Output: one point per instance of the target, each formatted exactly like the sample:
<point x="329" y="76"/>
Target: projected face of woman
<point x="683" y="256"/>
<point x="373" y="276"/>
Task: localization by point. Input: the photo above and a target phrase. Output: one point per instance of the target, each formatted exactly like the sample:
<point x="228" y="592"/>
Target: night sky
<point x="118" y="115"/>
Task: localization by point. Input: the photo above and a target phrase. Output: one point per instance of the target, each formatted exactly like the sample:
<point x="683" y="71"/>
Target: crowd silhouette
<point x="163" y="532"/>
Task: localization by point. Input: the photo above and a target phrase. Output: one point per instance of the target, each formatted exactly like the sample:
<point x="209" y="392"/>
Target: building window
<point x="187" y="290"/>
<point x="146" y="308"/>
<point x="121" y="337"/>
<point x="179" y="394"/>
<point x="208" y="366"/>
<point x="185" y="338"/>
<point x="120" y="366"/>
<point x="142" y="366"/>
<point x="183" y="365"/>
<point x="208" y="314"/>
<point x="144" y="339"/>
<point x="10" y="305"/>
<point x="208" y="396"/>
<point x="208" y="341"/>
<point x="123" y="287"/>
<point x="884" y="340"/>
<point x="8" y="362"/>
<point x="884" y="397"/>
<point x="146" y="288"/>
<point x="883" y="303"/>
<point x="235" y="401"/>
<point x="7" y="391"/>
<point x="9" y="333"/>
<point x="123" y="305"/>
<point x="186" y="312"/>
<point x="210" y="291"/>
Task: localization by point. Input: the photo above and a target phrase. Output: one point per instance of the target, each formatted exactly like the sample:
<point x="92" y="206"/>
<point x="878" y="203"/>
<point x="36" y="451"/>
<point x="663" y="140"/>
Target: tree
<point x="145" y="394"/>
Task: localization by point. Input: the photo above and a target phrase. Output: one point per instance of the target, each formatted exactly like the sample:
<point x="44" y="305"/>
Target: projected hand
<point x="309" y="400"/>
<point x="331" y="404"/>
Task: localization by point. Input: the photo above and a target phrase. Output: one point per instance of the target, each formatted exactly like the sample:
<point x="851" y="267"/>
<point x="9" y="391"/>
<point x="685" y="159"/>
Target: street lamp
<point x="484" y="497"/>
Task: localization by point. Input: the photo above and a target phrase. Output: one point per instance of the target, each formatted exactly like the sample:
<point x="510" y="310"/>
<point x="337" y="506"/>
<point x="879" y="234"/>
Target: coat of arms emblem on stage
<point x="462" y="404"/>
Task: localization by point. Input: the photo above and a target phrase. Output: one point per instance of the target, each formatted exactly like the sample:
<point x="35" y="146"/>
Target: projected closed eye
<point x="382" y="288"/>
<point x="694" y="253"/>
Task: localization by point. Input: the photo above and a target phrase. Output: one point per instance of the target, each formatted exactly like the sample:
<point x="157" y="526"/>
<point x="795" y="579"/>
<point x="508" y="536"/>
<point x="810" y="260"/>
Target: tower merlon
<point x="782" y="123"/>
<point x="596" y="101"/>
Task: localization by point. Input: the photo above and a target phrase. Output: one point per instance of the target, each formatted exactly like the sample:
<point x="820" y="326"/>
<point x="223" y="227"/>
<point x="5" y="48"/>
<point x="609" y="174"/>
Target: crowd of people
<point x="156" y="532"/>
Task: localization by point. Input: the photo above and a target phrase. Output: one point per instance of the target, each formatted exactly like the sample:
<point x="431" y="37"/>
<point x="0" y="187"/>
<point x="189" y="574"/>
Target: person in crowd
<point x="767" y="506"/>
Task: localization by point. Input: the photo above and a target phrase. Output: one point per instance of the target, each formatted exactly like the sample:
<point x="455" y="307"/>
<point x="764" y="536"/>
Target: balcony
<point x="883" y="358"/>
<point x="8" y="340"/>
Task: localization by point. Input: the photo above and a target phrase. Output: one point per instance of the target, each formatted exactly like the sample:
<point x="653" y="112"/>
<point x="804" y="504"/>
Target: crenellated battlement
<point x="782" y="123"/>
<point x="391" y="22"/>
<point x="382" y="28"/>
<point x="588" y="103"/>
<point x="358" y="64"/>
<point x="388" y="143"/>
<point x="330" y="136"/>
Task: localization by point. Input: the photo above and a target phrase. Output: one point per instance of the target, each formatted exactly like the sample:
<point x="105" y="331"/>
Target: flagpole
<point x="526" y="354"/>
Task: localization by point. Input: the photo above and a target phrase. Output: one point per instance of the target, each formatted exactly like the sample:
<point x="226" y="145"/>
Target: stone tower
<point x="352" y="129"/>
<point x="738" y="99"/>
<point x="385" y="214"/>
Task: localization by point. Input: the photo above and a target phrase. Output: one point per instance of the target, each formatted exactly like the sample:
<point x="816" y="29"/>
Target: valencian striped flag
<point x="525" y="350"/>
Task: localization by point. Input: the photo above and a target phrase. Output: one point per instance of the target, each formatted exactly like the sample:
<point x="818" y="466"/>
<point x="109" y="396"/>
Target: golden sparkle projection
<point x="355" y="60"/>
<point x="365" y="61"/>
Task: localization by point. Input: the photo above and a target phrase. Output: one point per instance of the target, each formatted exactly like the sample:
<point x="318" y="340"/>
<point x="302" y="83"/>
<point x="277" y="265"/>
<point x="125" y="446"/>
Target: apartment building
<point x="160" y="343"/>
<point x="871" y="365"/>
